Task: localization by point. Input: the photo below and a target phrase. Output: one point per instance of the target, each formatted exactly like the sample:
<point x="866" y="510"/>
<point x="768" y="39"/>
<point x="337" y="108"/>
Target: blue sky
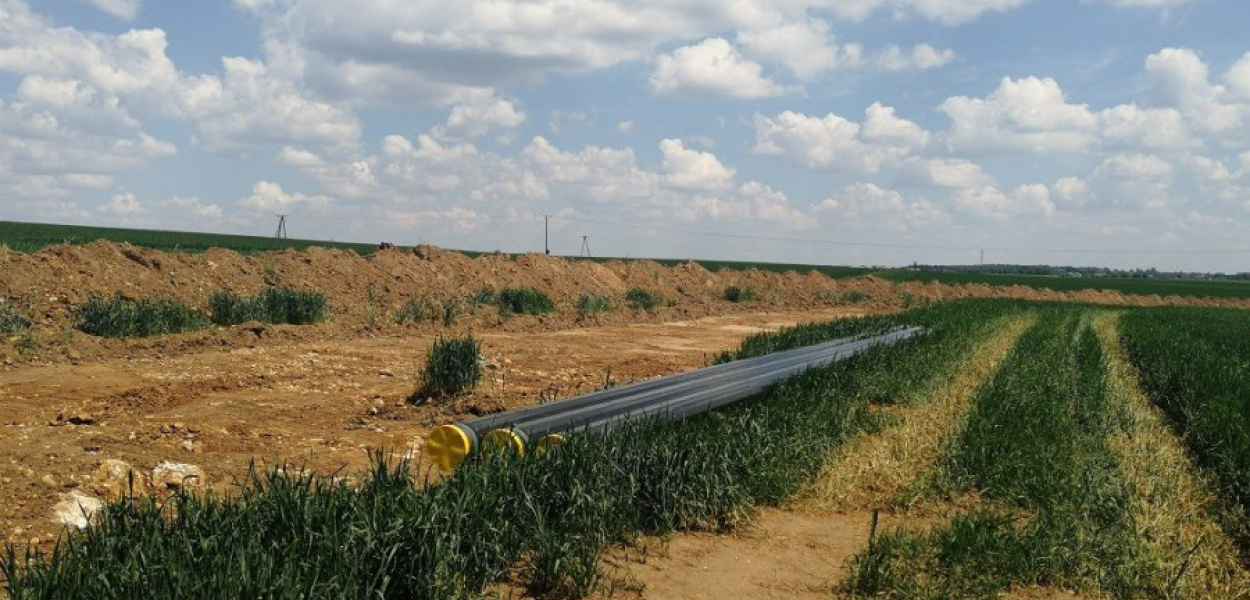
<point x="1092" y="132"/>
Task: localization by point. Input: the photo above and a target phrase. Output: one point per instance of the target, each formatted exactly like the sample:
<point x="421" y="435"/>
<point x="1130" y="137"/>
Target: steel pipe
<point x="667" y="398"/>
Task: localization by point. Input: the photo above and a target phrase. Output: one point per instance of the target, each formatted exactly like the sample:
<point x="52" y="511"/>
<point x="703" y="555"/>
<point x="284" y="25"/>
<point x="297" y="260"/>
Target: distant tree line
<point x="1054" y="271"/>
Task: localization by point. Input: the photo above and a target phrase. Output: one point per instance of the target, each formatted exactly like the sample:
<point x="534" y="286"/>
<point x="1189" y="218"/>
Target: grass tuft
<point x="453" y="367"/>
<point x="274" y="305"/>
<point x="122" y="318"/>
<point x="737" y="294"/>
<point x="525" y="301"/>
<point x="853" y="297"/>
<point x="485" y="296"/>
<point x="593" y="304"/>
<point x="416" y="311"/>
<point x="11" y="321"/>
<point x="640" y="299"/>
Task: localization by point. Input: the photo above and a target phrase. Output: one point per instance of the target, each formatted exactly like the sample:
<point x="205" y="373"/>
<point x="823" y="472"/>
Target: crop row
<point x="1195" y="365"/>
<point x="540" y="521"/>
<point x="1054" y="506"/>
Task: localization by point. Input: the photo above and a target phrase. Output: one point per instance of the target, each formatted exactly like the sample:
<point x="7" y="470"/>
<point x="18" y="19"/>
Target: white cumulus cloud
<point x="1028" y="114"/>
<point x="477" y="118"/>
<point x="712" y="67"/>
<point x="869" y="206"/>
<point x="692" y="169"/>
<point x="921" y="57"/>
<point x="837" y="144"/>
<point x="268" y="196"/>
<point x="806" y="47"/>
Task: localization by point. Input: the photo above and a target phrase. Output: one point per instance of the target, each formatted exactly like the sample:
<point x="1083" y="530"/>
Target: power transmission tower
<point x="983" y="258"/>
<point x="281" y="232"/>
<point x="585" y="246"/>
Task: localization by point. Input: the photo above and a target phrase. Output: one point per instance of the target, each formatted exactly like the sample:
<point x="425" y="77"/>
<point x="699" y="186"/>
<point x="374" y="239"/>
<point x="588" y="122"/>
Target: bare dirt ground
<point x="317" y="404"/>
<point x="781" y="554"/>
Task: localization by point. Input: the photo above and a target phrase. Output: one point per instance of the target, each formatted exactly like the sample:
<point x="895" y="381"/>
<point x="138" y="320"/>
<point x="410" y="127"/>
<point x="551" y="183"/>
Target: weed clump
<point x="640" y="299"/>
<point x="854" y="297"/>
<point x="11" y="321"/>
<point x="737" y="294"/>
<point x="453" y="367"/>
<point x="485" y="296"/>
<point x="451" y="309"/>
<point x="277" y="306"/>
<point x="593" y="304"/>
<point x="415" y="311"/>
<point x="525" y="301"/>
<point x="122" y="318"/>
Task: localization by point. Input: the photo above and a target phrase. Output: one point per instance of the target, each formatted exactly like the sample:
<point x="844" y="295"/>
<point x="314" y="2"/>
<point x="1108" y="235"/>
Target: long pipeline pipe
<point x="724" y="395"/>
<point x="763" y="374"/>
<point x="671" y="397"/>
<point x="450" y="443"/>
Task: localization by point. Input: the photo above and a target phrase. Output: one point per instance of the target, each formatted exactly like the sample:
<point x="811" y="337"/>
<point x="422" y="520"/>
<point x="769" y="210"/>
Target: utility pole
<point x="546" y="236"/>
<point x="585" y="246"/>
<point x="983" y="257"/>
<point x="281" y="232"/>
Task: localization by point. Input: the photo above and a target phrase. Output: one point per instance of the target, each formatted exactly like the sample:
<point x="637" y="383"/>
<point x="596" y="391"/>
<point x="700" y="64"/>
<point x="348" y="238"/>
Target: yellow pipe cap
<point x="550" y="441"/>
<point x="504" y="439"/>
<point x="447" y="446"/>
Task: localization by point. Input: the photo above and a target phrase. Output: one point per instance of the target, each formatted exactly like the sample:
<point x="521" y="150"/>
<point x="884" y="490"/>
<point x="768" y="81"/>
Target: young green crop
<point x="593" y="304"/>
<point x="640" y="299"/>
<point x="416" y="311"/>
<point x="737" y="294"/>
<point x="122" y="318"/>
<point x="484" y="296"/>
<point x="1195" y="364"/>
<point x="11" y="320"/>
<point x="453" y="367"/>
<point x="525" y="301"/>
<point x="274" y="305"/>
<point x="542" y="520"/>
<point x="1162" y="287"/>
<point x="1056" y="512"/>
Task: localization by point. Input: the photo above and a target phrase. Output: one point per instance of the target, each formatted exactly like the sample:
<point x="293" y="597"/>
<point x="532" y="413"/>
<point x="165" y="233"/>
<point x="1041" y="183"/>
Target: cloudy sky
<point x="1091" y="132"/>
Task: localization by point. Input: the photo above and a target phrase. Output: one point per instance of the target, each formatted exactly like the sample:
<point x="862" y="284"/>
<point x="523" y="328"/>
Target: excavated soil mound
<point x="365" y="292"/>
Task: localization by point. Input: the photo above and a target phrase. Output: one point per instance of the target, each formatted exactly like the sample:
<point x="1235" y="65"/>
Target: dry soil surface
<point x="316" y="404"/>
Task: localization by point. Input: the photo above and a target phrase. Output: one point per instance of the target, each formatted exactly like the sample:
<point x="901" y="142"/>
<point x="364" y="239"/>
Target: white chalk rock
<point x="76" y="509"/>
<point x="177" y="476"/>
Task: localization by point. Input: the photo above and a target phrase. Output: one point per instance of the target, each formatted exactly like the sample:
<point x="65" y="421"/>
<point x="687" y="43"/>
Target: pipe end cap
<point x="447" y="446"/>
<point x="550" y="441"/>
<point x="503" y="439"/>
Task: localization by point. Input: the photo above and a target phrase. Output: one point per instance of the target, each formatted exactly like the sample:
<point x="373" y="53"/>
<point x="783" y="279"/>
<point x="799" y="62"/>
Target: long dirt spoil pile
<point x="365" y="291"/>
